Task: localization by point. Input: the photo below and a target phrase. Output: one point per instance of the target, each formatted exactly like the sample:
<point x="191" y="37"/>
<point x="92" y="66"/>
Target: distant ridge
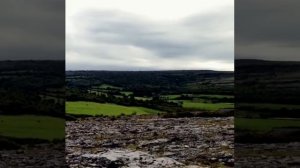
<point x="204" y="71"/>
<point x="263" y="61"/>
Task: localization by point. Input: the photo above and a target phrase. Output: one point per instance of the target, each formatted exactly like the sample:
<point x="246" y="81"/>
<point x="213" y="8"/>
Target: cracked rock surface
<point x="45" y="155"/>
<point x="150" y="142"/>
<point x="267" y="155"/>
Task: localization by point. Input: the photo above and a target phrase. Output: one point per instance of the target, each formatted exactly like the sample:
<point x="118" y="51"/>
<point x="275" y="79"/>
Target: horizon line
<point x="157" y="70"/>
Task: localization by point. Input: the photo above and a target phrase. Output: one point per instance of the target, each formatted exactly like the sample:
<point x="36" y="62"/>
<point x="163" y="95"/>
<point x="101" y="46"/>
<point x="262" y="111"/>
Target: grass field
<point x="107" y="86"/>
<point x="127" y="93"/>
<point x="91" y="108"/>
<point x="215" y="96"/>
<point x="30" y="126"/>
<point x="143" y="98"/>
<point x="97" y="92"/>
<point x="206" y="106"/>
<point x="269" y="106"/>
<point x="264" y="125"/>
<point x="170" y="97"/>
<point x="199" y="95"/>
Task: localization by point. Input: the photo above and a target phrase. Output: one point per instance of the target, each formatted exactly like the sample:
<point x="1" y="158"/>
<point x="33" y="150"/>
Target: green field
<point x="170" y="97"/>
<point x="263" y="125"/>
<point x="107" y="86"/>
<point x="127" y="93"/>
<point x="91" y="108"/>
<point x="143" y="98"/>
<point x="206" y="106"/>
<point x="175" y="96"/>
<point x="30" y="126"/>
<point x="269" y="106"/>
<point x="215" y="96"/>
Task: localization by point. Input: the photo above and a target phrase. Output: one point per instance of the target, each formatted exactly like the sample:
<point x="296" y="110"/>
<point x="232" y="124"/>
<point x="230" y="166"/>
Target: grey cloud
<point x="209" y="38"/>
<point x="165" y="39"/>
<point x="261" y="27"/>
<point x="32" y="29"/>
<point x="217" y="21"/>
<point x="132" y="31"/>
<point x="87" y="66"/>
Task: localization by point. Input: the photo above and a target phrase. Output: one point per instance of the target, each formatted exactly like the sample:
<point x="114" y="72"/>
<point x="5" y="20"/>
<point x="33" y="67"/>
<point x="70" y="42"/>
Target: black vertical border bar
<point x="32" y="83"/>
<point x="267" y="85"/>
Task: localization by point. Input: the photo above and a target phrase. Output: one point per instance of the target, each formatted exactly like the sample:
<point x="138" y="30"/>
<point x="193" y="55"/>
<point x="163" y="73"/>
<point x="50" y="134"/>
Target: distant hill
<point x="32" y="87"/>
<point x="202" y="81"/>
<point x="266" y="63"/>
<point x="268" y="82"/>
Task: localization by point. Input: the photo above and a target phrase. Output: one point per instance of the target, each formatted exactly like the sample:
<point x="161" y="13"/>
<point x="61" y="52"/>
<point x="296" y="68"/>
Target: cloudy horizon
<point x="152" y="35"/>
<point x="32" y="30"/>
<point x="267" y="30"/>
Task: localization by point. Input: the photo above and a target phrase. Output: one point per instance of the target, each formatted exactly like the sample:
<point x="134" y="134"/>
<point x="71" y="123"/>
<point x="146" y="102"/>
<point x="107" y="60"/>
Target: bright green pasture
<point x="91" y="108"/>
<point x="263" y="125"/>
<point x="30" y="126"/>
<point x="206" y="106"/>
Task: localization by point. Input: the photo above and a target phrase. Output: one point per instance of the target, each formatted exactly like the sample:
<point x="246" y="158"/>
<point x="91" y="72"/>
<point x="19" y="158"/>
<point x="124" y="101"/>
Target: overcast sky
<point x="149" y="35"/>
<point x="32" y="30"/>
<point x="267" y="29"/>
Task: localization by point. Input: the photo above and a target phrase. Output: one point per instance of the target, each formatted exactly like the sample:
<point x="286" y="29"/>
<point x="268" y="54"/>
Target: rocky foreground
<point x="150" y="142"/>
<point x="267" y="155"/>
<point x="44" y="155"/>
